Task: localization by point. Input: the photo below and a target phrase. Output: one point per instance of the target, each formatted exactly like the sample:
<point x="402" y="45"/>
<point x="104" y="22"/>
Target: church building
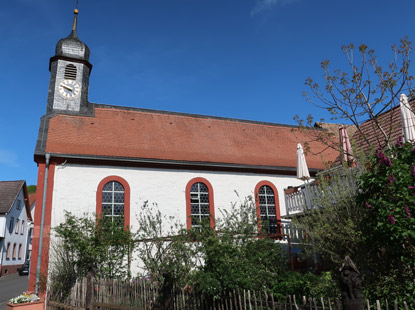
<point x="107" y="159"/>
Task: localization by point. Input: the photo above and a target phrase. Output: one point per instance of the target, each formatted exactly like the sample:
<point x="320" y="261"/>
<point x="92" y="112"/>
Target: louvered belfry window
<point x="70" y="72"/>
<point x="199" y="203"/>
<point x="267" y="209"/>
<point x="113" y="201"/>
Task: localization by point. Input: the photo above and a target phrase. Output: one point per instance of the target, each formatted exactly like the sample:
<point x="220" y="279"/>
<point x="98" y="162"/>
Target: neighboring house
<point x="14" y="218"/>
<point x="98" y="158"/>
<point x="301" y="198"/>
<point x="32" y="201"/>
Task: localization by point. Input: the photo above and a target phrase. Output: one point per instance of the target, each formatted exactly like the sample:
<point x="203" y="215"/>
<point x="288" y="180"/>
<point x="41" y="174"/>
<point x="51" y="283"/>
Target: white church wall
<point x="75" y="188"/>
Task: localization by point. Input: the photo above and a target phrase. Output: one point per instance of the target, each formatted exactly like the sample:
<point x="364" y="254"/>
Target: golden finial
<point x="76" y="8"/>
<point x="75" y="19"/>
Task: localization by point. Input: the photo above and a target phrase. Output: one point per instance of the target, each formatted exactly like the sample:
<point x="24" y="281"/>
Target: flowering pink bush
<point x="388" y="193"/>
<point x="387" y="196"/>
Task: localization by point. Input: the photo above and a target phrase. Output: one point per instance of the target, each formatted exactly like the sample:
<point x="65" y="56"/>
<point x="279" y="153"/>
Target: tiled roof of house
<point x="8" y="194"/>
<point x="390" y="121"/>
<point x="119" y="132"/>
<point x="334" y="128"/>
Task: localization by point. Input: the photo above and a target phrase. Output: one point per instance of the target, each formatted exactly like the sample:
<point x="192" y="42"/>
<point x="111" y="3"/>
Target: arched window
<point x="70" y="72"/>
<point x="113" y="199"/>
<point x="268" y="209"/>
<point x="199" y="202"/>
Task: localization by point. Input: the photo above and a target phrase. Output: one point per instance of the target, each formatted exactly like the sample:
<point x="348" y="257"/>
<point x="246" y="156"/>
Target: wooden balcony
<point x="311" y="195"/>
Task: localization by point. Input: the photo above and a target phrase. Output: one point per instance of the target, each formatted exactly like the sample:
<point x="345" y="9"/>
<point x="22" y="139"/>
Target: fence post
<point x="89" y="296"/>
<point x="337" y="304"/>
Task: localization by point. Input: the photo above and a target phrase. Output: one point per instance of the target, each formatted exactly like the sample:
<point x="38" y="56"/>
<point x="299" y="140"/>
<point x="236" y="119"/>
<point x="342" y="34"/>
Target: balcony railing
<point x="341" y="184"/>
<point x="289" y="230"/>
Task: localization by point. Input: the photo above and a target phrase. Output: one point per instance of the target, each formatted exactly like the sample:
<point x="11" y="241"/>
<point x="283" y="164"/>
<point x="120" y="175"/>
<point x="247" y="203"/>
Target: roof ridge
<point x="13" y="181"/>
<point x="192" y="115"/>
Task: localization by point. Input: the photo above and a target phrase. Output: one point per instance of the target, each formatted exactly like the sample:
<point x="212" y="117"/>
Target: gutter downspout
<point x="42" y="222"/>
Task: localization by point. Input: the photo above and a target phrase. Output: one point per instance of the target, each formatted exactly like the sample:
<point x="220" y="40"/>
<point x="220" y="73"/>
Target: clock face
<point x="69" y="89"/>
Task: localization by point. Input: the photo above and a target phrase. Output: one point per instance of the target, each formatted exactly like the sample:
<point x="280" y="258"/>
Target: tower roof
<point x="71" y="46"/>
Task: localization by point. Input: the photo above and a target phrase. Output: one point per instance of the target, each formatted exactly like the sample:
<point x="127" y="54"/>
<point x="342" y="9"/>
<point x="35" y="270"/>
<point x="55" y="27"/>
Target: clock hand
<point x="67" y="87"/>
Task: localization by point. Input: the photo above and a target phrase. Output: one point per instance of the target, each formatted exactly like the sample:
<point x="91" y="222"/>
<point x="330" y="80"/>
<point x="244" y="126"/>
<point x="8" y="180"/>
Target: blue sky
<point x="243" y="59"/>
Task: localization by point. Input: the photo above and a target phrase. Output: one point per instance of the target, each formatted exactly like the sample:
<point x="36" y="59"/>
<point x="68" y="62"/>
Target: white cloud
<point x="265" y="5"/>
<point x="8" y="158"/>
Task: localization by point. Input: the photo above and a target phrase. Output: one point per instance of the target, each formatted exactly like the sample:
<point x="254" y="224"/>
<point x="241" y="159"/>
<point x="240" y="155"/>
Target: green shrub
<point x="308" y="284"/>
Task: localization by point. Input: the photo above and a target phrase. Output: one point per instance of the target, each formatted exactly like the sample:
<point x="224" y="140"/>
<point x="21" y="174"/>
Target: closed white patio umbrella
<point x="408" y="119"/>
<point x="302" y="169"/>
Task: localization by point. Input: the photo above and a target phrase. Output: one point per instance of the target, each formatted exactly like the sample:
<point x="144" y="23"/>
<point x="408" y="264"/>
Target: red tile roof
<point x="391" y="124"/>
<point x="129" y="133"/>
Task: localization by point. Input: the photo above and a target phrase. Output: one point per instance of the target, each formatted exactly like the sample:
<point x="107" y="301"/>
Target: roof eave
<point x="39" y="157"/>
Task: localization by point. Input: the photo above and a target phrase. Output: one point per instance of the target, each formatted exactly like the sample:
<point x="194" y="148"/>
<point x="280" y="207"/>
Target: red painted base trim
<point x="44" y="264"/>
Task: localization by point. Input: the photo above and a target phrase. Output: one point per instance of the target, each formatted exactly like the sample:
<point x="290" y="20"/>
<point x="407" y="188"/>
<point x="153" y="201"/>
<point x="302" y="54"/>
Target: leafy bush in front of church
<point x="233" y="257"/>
<point x="307" y="284"/>
<point x="82" y="244"/>
<point x="163" y="248"/>
<point x="209" y="260"/>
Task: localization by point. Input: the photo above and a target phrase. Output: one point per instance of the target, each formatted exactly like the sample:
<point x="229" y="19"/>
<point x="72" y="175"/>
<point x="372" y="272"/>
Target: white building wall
<point x="11" y="236"/>
<point x="75" y="188"/>
<point x="3" y="221"/>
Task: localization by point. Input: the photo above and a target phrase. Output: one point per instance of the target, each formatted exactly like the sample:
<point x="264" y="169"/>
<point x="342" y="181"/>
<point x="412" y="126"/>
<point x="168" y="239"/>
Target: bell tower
<point x="69" y="75"/>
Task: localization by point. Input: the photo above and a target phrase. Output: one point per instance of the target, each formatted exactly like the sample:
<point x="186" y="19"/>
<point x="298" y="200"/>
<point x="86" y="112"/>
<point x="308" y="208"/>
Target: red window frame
<point x="126" y="197"/>
<point x="188" y="201"/>
<point x="277" y="204"/>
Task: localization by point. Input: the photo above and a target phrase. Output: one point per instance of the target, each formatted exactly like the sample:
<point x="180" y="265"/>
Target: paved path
<point x="11" y="286"/>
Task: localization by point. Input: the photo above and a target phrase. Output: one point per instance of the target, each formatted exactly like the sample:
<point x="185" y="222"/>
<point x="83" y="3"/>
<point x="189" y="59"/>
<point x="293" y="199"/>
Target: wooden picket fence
<point x="143" y="295"/>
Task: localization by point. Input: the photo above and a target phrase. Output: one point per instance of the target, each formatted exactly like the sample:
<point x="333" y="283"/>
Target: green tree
<point x="334" y="226"/>
<point x="374" y="226"/>
<point x="361" y="92"/>
<point x="31" y="189"/>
